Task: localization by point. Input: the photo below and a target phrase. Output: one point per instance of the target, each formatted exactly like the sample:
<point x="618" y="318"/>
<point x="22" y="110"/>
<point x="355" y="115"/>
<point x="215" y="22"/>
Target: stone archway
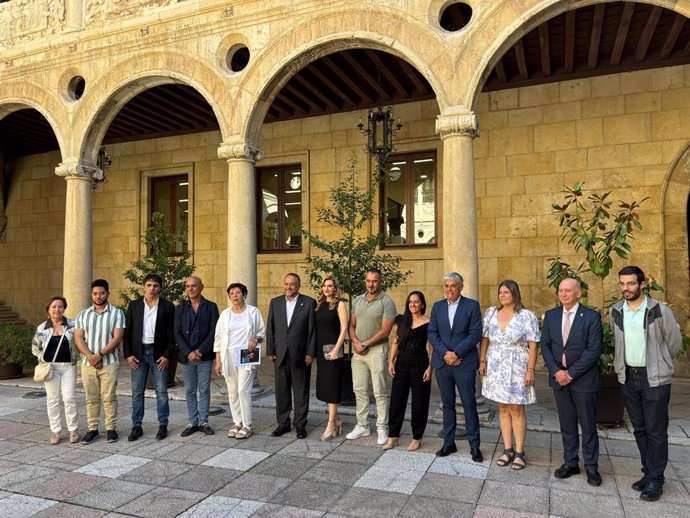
<point x="674" y="220"/>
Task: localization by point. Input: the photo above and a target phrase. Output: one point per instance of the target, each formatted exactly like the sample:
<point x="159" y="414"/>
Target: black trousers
<point x="409" y="377"/>
<point x="648" y="411"/>
<point x="292" y="383"/>
<point x="573" y="408"/>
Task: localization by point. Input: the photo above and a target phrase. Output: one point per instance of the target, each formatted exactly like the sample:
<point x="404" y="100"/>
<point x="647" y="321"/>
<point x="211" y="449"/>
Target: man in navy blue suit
<point x="455" y="329"/>
<point x="571" y="344"/>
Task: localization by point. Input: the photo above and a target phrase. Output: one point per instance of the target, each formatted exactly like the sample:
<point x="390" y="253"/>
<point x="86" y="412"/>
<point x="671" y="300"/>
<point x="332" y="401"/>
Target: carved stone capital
<point x="465" y="124"/>
<point x="79" y="170"/>
<point x="241" y="150"/>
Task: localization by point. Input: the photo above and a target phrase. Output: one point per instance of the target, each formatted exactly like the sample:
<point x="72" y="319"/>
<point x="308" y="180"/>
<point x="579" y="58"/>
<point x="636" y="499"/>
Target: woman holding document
<point x="240" y="327"/>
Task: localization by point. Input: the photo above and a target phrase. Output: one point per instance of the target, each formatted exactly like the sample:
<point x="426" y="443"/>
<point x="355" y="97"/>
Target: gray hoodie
<point x="662" y="338"/>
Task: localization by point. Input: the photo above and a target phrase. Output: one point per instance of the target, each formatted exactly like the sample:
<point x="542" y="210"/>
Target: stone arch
<point x="124" y="80"/>
<point x="506" y="24"/>
<point x="675" y="200"/>
<point x="406" y="38"/>
<point x="18" y="96"/>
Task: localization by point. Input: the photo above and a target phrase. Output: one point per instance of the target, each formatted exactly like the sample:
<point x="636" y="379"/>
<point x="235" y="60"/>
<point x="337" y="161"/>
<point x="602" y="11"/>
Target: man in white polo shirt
<point x="647" y="340"/>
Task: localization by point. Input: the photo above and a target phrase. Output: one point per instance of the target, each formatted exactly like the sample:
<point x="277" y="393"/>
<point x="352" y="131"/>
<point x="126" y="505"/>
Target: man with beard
<point x="98" y="332"/>
<point x="647" y="340"/>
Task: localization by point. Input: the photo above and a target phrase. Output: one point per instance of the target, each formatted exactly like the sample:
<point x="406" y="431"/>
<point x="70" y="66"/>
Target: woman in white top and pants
<point x="239" y="326"/>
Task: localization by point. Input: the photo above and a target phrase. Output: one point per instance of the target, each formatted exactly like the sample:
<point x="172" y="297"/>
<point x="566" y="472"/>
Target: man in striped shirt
<point x="98" y="332"/>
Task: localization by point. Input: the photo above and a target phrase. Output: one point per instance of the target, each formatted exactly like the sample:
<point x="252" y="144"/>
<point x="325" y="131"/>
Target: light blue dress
<point x="507" y="358"/>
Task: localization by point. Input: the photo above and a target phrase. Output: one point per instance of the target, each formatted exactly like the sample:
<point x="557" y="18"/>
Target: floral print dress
<point x="507" y="357"/>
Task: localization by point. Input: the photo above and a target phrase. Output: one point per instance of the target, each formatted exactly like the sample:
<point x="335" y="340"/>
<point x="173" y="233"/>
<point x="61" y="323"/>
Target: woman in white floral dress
<point x="508" y="355"/>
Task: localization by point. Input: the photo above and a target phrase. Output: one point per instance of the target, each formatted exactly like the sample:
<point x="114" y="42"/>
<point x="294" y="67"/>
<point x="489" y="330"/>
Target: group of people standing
<point x="455" y="342"/>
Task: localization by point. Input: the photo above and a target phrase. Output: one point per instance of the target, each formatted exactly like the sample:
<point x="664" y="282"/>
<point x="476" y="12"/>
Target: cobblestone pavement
<point x="214" y="476"/>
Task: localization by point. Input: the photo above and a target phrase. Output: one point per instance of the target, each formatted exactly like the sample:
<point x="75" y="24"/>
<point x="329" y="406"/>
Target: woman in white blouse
<point x="240" y="326"/>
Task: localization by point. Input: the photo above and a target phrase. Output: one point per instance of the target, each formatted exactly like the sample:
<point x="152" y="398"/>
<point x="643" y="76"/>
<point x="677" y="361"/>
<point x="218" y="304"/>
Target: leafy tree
<point x="349" y="256"/>
<point x="174" y="270"/>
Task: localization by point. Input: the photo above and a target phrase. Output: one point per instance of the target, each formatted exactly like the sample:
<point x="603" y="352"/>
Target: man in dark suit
<point x="148" y="345"/>
<point x="571" y="344"/>
<point x="195" y="327"/>
<point x="455" y="329"/>
<point x="291" y="345"/>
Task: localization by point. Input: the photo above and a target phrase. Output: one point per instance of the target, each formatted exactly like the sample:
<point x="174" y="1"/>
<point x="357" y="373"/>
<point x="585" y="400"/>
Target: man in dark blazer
<point x="455" y="328"/>
<point x="571" y="344"/>
<point x="195" y="327"/>
<point x="291" y="345"/>
<point x="148" y="345"/>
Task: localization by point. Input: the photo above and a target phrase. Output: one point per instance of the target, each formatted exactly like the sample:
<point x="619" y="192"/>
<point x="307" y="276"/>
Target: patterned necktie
<point x="566" y="332"/>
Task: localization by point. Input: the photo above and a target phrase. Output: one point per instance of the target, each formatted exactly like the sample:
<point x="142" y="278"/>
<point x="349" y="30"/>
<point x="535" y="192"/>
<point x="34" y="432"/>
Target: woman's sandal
<point x="506" y="457"/>
<point x="243" y="433"/>
<point x="233" y="430"/>
<point x="517" y="466"/>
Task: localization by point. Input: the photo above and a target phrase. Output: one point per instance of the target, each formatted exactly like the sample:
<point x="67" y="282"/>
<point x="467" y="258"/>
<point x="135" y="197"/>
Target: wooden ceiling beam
<point x="311" y="103"/>
<point x="569" y="41"/>
<point x="648" y="33"/>
<point x="143" y="108"/>
<point x="137" y="122"/>
<point x="392" y="78"/>
<point x="622" y="33"/>
<point x="330" y="84"/>
<point x="672" y="36"/>
<point x="544" y="49"/>
<point x="414" y="79"/>
<point x="182" y="106"/>
<point x="315" y="91"/>
<point x="522" y="63"/>
<point x="501" y="71"/>
<point x="366" y="76"/>
<point x="595" y="37"/>
<point x="296" y="108"/>
<point x="345" y="78"/>
<point x="197" y="100"/>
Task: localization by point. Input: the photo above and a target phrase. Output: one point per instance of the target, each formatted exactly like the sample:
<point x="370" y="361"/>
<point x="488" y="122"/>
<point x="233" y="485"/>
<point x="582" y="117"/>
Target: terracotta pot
<point x="610" y="403"/>
<point x="10" y="371"/>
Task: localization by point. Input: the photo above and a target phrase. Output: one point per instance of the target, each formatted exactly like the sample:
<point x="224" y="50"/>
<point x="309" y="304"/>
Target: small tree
<point x="174" y="270"/>
<point x="588" y="223"/>
<point x="350" y="255"/>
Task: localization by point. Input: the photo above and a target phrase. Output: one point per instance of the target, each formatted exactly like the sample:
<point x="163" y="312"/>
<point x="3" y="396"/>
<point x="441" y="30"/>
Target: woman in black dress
<point x="409" y="366"/>
<point x="331" y="330"/>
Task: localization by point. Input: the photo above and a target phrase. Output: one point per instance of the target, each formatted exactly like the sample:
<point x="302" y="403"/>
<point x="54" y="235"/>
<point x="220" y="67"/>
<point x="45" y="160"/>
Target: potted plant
<point x="159" y="259"/>
<point x="588" y="223"/>
<point x="15" y="350"/>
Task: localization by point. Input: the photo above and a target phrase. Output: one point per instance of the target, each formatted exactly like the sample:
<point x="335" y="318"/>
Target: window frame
<point x="410" y="156"/>
<point x="173" y="181"/>
<point x="281" y="168"/>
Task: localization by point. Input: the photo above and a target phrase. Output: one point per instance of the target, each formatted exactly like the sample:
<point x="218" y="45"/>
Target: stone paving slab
<point x="259" y="487"/>
<point x="222" y="507"/>
<point x="63" y="510"/>
<point x="19" y="506"/>
<point x="240" y="460"/>
<point x="162" y="502"/>
<point x="113" y="466"/>
<point x="110" y="495"/>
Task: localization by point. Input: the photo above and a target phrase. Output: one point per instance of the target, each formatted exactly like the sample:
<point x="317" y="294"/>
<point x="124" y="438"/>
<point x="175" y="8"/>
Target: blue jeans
<point x="197" y="375"/>
<point x="160" y="383"/>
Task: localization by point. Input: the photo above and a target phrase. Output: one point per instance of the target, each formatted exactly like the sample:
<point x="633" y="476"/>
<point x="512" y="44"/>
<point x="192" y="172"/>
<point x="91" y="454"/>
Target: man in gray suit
<point x="291" y="345"/>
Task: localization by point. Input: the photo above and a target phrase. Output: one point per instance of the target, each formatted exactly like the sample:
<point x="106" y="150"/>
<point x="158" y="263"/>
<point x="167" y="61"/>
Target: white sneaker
<point x="383" y="435"/>
<point x="359" y="431"/>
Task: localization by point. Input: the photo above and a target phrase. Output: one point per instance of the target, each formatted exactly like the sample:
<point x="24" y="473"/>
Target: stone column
<point x="241" y="157"/>
<point x="78" y="257"/>
<point x="457" y="131"/>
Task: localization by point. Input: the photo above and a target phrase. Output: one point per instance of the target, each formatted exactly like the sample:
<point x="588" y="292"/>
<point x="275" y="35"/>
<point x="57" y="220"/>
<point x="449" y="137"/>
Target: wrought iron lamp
<point x="103" y="161"/>
<point x="380" y="130"/>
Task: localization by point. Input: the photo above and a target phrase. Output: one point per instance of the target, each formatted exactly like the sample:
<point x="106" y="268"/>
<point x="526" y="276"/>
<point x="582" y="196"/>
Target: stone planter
<point x="10" y="371"/>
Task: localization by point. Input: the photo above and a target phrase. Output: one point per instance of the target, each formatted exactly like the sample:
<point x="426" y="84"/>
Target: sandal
<point x="506" y="457"/>
<point x="517" y="466"/>
<point x="243" y="433"/>
<point x="232" y="433"/>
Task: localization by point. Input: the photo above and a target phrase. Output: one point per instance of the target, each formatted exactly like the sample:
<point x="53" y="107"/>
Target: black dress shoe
<point x="593" y="478"/>
<point x="652" y="492"/>
<point x="281" y="430"/>
<point x="162" y="432"/>
<point x="477" y="455"/>
<point x="640" y="484"/>
<point x="566" y="472"/>
<point x="135" y="433"/>
<point x="301" y="432"/>
<point x="446" y="450"/>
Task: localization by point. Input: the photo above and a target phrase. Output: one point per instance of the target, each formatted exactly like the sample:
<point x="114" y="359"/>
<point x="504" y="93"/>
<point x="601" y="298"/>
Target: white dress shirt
<point x="150" y="314"/>
<point x="290" y="308"/>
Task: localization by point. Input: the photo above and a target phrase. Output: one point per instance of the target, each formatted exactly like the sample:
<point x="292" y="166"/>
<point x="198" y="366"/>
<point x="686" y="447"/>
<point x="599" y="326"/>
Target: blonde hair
<point x="336" y="294"/>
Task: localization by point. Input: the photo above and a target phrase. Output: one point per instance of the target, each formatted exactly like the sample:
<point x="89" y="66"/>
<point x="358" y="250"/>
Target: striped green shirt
<point x="98" y="330"/>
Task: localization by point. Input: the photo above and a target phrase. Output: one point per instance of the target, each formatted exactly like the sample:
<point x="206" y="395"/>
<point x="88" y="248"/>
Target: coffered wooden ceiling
<point x="589" y="41"/>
